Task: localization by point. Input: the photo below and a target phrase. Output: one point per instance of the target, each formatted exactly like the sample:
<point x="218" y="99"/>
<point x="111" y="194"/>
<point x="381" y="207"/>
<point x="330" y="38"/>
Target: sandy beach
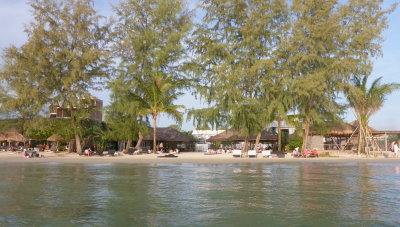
<point x="192" y="157"/>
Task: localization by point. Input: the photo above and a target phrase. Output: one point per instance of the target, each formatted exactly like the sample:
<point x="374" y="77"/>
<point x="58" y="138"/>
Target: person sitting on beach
<point x="176" y="151"/>
<point x="306" y="153"/>
<point x="34" y="154"/>
<point x="88" y="152"/>
<point x="296" y="152"/>
<point x="314" y="152"/>
<point x="26" y="154"/>
<point x="210" y="151"/>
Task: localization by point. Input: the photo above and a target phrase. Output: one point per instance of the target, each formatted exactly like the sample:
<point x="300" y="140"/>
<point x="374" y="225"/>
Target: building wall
<point x="58" y="111"/>
<point x="316" y="142"/>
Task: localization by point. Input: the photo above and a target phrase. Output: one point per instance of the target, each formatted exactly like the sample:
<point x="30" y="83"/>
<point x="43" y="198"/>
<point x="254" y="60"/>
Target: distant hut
<point x="341" y="136"/>
<point x="171" y="139"/>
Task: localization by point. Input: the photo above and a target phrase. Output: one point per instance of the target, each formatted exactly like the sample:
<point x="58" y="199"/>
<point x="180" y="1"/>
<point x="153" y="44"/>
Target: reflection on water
<point x="299" y="194"/>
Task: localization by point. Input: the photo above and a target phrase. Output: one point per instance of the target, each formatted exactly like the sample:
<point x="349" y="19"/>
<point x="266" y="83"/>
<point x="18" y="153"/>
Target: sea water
<point x="245" y="194"/>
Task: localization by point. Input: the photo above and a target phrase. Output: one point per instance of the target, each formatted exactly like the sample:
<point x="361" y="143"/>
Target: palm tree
<point x="366" y="102"/>
<point x="157" y="96"/>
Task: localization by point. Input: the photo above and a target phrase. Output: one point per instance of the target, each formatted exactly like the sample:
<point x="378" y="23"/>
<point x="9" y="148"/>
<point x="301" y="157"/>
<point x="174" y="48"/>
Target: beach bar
<point x="170" y="138"/>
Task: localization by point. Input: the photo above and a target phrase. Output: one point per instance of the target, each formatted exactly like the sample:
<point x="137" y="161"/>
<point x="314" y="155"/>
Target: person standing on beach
<point x="396" y="149"/>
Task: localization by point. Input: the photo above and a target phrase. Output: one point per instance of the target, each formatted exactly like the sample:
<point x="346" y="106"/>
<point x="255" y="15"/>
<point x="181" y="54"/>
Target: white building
<point x="284" y="127"/>
<point x="202" y="136"/>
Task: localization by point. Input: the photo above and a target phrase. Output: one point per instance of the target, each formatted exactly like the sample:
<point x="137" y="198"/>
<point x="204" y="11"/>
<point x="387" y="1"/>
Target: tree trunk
<point x="246" y="141"/>
<point x="78" y="143"/>
<point x="279" y="135"/>
<point x="139" y="142"/>
<point x="71" y="146"/>
<point x="257" y="141"/>
<point x="128" y="145"/>
<point x="306" y="126"/>
<point x="154" y="133"/>
<point x="359" y="141"/>
<point x="361" y="137"/>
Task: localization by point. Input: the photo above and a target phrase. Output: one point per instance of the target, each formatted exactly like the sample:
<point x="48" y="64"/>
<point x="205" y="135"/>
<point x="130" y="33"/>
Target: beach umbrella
<point x="14" y="137"/>
<point x="55" y="138"/>
<point x="2" y="137"/>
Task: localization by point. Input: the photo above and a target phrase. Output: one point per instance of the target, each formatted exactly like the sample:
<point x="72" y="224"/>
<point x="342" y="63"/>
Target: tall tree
<point x="157" y="96"/>
<point x="235" y="46"/>
<point x="68" y="42"/>
<point x="329" y="42"/>
<point x="21" y="95"/>
<point x="149" y="42"/>
<point x="366" y="102"/>
<point x="128" y="120"/>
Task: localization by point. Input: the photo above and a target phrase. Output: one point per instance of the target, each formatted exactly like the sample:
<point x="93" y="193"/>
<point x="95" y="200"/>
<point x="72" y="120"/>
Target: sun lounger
<point x="267" y="154"/>
<point x="252" y="154"/>
<point x="237" y="153"/>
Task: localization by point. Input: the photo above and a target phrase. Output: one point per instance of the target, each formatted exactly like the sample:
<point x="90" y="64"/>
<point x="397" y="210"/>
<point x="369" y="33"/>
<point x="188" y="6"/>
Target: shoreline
<point x="192" y="158"/>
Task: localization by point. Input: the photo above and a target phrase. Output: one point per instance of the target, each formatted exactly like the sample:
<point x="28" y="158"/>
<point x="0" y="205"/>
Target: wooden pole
<point x="386" y="147"/>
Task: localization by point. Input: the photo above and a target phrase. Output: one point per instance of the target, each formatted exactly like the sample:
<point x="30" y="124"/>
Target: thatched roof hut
<point x="14" y="137"/>
<point x="55" y="138"/>
<point x="169" y="135"/>
<point x="346" y="129"/>
<point x="2" y="137"/>
<point x="234" y="136"/>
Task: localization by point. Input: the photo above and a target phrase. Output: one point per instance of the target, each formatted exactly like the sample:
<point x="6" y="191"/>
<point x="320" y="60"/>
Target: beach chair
<point x="237" y="153"/>
<point x="252" y="154"/>
<point x="267" y="154"/>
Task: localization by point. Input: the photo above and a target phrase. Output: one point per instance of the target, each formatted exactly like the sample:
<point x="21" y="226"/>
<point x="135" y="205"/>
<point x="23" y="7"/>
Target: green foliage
<point x="10" y="124"/>
<point x="187" y="133"/>
<point x="235" y="50"/>
<point x="65" y="55"/>
<point x="61" y="148"/>
<point x="158" y="96"/>
<point x="148" y="40"/>
<point x="329" y="41"/>
<point x="394" y="137"/>
<point x="295" y="142"/>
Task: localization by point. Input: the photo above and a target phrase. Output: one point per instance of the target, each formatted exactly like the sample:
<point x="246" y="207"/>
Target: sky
<point x="15" y="14"/>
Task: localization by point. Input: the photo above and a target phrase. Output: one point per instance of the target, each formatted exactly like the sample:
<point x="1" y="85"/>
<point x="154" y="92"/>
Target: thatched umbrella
<point x="2" y="137"/>
<point x="14" y="137"/>
<point x="55" y="138"/>
<point x="169" y="135"/>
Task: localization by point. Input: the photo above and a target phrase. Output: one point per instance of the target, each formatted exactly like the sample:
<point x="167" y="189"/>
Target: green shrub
<point x="295" y="142"/>
<point x="61" y="148"/>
